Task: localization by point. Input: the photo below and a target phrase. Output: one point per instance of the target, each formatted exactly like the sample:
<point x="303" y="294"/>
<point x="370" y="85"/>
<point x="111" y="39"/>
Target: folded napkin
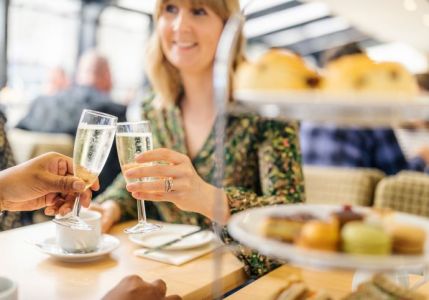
<point x="177" y="257"/>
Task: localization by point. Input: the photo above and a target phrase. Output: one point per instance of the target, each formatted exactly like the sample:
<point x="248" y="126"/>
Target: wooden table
<point x="42" y="277"/>
<point x="336" y="282"/>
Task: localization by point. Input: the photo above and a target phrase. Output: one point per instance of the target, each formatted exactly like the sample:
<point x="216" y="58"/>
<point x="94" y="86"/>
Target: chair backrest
<point x="406" y="192"/>
<point x="337" y="185"/>
<point x="28" y="144"/>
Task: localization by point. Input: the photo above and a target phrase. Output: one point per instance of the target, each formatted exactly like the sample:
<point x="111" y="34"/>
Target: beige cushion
<point x="407" y="192"/>
<point x="28" y="144"/>
<point x="335" y="185"/>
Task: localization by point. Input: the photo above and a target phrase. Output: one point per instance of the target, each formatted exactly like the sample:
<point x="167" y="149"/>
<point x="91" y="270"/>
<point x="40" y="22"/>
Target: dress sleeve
<point x="6" y="155"/>
<point x="118" y="193"/>
<point x="281" y="180"/>
<point x="8" y="220"/>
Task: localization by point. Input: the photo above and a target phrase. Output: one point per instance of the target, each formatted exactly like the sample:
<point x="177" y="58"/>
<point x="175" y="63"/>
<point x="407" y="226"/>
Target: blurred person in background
<point x="58" y="81"/>
<point x="60" y="112"/>
<point x="263" y="160"/>
<point x="332" y="145"/>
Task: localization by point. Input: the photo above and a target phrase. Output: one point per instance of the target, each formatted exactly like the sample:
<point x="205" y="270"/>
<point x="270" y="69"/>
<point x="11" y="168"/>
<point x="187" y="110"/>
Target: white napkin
<point x="177" y="257"/>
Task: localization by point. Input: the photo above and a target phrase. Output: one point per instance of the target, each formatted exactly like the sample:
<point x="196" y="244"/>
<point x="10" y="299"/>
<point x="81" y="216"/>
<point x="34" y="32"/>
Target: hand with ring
<point x="180" y="182"/>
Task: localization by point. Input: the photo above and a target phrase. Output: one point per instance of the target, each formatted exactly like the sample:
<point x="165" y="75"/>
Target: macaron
<point x="319" y="235"/>
<point x="362" y="238"/>
<point x="407" y="239"/>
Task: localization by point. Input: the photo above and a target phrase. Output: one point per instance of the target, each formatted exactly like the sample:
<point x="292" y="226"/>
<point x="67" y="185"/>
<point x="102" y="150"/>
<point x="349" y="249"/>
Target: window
<point x="121" y="37"/>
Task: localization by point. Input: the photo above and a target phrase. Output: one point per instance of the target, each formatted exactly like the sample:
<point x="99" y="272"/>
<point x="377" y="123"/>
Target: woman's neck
<point x="198" y="93"/>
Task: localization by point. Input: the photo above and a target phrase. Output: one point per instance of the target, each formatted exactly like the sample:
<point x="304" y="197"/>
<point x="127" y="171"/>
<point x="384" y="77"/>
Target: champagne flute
<point x="133" y="138"/>
<point x="94" y="139"/>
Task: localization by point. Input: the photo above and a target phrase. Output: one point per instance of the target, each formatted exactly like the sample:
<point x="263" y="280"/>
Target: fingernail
<point x="130" y="187"/>
<point x="136" y="195"/>
<point x="78" y="185"/>
<point x="65" y="211"/>
<point x="129" y="173"/>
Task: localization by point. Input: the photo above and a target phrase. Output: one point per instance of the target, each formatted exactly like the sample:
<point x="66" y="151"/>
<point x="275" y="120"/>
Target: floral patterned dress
<point x="263" y="167"/>
<point x="8" y="220"/>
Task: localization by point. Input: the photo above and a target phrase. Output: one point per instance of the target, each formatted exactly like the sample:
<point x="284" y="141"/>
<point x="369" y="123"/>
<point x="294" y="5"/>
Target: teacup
<point x="8" y="289"/>
<point x="81" y="241"/>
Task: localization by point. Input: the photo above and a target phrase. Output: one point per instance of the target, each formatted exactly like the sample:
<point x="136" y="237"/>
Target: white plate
<point x="246" y="228"/>
<point x="170" y="232"/>
<point x="49" y="246"/>
<point x="347" y="109"/>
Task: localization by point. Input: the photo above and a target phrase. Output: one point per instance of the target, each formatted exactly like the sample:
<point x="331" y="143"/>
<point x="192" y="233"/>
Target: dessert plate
<point x="49" y="246"/>
<point x="246" y="228"/>
<point x="171" y="232"/>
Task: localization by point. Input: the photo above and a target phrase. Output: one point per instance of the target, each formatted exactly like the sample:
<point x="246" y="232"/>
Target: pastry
<point x="347" y="215"/>
<point x="389" y="77"/>
<point x="398" y="291"/>
<point x="357" y="73"/>
<point x="276" y="70"/>
<point x="295" y="289"/>
<point x="319" y="235"/>
<point x="382" y="288"/>
<point x="362" y="238"/>
<point x="285" y="228"/>
<point x="407" y="239"/>
<point x="347" y="73"/>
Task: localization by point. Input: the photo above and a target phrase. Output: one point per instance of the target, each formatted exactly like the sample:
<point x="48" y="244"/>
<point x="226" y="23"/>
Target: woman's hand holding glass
<point x="178" y="182"/>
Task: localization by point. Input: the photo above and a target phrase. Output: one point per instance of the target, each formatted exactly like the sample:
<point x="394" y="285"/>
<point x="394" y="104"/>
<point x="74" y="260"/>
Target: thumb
<point x="64" y="184"/>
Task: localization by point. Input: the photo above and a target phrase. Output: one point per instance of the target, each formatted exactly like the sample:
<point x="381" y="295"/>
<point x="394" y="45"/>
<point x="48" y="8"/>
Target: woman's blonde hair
<point x="164" y="77"/>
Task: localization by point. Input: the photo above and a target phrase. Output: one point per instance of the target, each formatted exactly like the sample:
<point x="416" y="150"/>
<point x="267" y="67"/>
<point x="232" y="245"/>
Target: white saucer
<point x="49" y="246"/>
<point x="170" y="232"/>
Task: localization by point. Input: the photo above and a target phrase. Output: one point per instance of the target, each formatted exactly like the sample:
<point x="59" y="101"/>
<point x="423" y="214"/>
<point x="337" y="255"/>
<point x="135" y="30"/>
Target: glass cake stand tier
<point x="246" y="227"/>
<point x="349" y="110"/>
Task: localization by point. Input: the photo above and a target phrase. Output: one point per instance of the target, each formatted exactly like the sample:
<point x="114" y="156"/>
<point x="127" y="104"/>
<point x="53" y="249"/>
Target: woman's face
<point x="189" y="35"/>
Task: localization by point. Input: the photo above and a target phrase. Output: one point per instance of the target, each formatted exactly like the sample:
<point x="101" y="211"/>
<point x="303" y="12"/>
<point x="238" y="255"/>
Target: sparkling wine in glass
<point x="94" y="138"/>
<point x="133" y="138"/>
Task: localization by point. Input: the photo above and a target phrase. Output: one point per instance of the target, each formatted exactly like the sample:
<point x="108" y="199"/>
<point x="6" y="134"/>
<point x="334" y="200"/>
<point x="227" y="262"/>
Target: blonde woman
<point x="263" y="162"/>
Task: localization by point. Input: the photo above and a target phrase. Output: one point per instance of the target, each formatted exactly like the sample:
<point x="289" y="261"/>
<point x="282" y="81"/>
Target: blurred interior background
<point x="38" y="36"/>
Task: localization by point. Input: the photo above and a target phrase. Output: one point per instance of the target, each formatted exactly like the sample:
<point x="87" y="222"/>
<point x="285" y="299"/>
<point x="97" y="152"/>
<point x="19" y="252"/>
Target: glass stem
<point x="76" y="206"/>
<point x="141" y="212"/>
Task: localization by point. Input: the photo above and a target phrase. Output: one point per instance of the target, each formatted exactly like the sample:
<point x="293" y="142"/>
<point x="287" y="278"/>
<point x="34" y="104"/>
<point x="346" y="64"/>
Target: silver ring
<point x="168" y="184"/>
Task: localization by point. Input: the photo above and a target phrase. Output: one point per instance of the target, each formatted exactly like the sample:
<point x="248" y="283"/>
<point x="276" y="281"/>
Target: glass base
<point x="72" y="222"/>
<point x="142" y="227"/>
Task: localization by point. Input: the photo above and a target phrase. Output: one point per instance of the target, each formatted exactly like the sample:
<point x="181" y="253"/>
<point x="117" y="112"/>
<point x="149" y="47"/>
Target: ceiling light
<point x="285" y="18"/>
<point x="309" y="31"/>
<point x="253" y="6"/>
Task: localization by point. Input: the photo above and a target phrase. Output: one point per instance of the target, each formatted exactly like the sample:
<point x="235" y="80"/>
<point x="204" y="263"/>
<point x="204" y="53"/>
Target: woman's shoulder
<point x="147" y="101"/>
<point x="149" y="106"/>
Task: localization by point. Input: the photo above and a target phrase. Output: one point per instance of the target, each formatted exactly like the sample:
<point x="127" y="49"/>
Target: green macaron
<point x="362" y="238"/>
